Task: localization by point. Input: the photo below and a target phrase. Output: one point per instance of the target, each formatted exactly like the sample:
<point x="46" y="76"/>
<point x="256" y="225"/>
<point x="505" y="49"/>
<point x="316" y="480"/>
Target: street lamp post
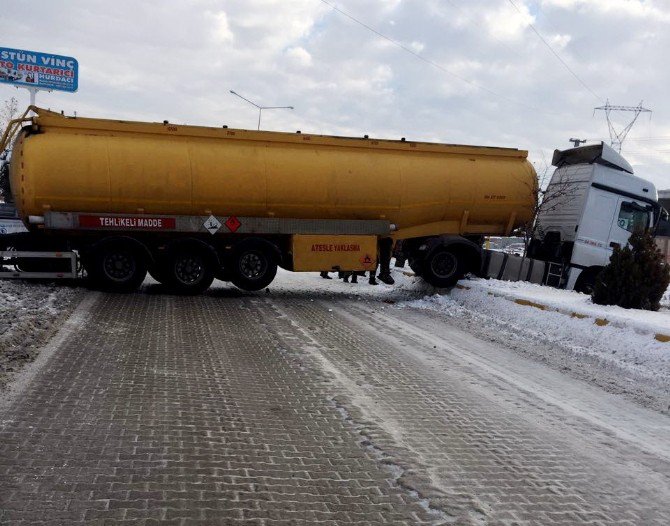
<point x="261" y="108"/>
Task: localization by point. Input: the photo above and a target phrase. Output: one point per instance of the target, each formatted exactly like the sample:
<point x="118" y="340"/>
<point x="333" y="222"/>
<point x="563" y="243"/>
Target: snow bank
<point x="28" y="315"/>
<point x="665" y="300"/>
<point x="568" y="301"/>
<point x="626" y="344"/>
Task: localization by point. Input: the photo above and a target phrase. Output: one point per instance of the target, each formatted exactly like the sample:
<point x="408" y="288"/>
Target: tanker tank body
<point x="192" y="203"/>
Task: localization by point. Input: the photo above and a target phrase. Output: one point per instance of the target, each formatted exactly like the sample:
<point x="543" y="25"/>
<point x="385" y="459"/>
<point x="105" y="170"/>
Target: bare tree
<point x="9" y="111"/>
<point x="559" y="191"/>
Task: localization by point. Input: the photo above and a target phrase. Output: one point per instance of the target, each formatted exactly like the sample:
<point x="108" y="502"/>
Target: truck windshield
<point x="633" y="217"/>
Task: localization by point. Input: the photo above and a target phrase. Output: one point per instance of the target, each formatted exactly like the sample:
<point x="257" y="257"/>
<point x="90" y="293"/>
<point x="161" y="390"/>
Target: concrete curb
<point x="600" y="322"/>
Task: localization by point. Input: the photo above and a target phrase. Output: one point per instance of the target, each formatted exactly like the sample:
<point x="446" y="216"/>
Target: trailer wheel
<point x="252" y="265"/>
<point x="189" y="271"/>
<point x="117" y="267"/>
<point x="443" y="268"/>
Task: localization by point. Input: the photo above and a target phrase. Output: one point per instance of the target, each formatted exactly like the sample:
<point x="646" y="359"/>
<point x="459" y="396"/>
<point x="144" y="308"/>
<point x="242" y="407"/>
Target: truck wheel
<point x="188" y="271"/>
<point x="587" y="281"/>
<point x="117" y="267"/>
<point x="442" y="268"/>
<point x="252" y="266"/>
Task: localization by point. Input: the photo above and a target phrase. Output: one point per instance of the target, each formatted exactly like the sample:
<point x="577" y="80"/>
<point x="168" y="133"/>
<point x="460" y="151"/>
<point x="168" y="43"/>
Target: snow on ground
<point x="570" y="301"/>
<point x="665" y="301"/>
<point x="29" y="315"/>
<point x="628" y="347"/>
<point x="621" y="357"/>
<point x="407" y="286"/>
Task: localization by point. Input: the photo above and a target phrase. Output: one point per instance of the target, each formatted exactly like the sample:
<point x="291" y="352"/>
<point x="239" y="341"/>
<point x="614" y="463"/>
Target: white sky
<point x="178" y="59"/>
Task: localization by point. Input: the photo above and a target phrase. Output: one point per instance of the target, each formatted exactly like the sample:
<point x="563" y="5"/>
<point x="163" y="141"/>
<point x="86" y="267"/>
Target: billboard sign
<point x="43" y="71"/>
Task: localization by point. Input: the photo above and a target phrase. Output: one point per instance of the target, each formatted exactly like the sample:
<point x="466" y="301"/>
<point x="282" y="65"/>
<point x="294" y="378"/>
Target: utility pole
<point x="577" y="142"/>
<point x="617" y="138"/>
<point x="261" y="108"/>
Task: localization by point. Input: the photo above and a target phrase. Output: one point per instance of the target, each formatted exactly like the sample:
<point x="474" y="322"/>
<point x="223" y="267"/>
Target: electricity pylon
<point x="617" y="138"/>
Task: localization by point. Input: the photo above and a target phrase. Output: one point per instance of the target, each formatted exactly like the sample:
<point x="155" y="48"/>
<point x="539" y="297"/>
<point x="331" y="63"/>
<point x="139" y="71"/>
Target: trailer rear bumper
<point x="13" y="257"/>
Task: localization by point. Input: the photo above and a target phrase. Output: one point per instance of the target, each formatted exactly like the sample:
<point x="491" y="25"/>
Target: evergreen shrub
<point x="636" y="276"/>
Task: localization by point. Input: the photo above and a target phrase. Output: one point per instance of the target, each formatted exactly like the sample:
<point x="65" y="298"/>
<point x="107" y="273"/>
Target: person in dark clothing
<point x="385" y="251"/>
<point x="352" y="275"/>
<point x="383" y="263"/>
<point x="399" y="255"/>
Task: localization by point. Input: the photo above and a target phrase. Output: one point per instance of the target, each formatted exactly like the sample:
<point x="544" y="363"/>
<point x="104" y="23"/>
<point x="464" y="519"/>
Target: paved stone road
<point x="183" y="410"/>
<point x="485" y="435"/>
<point x="282" y="409"/>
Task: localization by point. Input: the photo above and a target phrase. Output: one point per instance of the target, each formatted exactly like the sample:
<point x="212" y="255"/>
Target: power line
<point x="474" y="23"/>
<point x="664" y="138"/>
<point x="556" y="54"/>
<point x="659" y="156"/>
<point x="648" y="151"/>
<point x="646" y="139"/>
<point x="424" y="59"/>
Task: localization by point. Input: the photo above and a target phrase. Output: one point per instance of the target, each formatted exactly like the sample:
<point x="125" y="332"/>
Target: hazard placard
<point x="367" y="261"/>
<point x="232" y="224"/>
<point x="212" y="224"/>
<point x="318" y="253"/>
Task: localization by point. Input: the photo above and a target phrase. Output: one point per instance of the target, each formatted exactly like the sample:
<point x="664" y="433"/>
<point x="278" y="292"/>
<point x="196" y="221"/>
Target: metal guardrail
<point x="9" y="257"/>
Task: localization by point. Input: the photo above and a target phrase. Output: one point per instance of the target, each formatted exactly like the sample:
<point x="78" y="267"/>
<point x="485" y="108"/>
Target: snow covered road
<point x="622" y="357"/>
<point x="483" y="434"/>
<point x="348" y="403"/>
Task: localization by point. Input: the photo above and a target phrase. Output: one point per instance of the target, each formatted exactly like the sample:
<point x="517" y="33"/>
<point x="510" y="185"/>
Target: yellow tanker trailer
<point x="190" y="203"/>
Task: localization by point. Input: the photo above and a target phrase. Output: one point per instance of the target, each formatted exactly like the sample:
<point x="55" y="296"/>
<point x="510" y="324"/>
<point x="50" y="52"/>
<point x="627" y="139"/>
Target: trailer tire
<point x="252" y="265"/>
<point x="443" y="267"/>
<point x="116" y="266"/>
<point x="189" y="270"/>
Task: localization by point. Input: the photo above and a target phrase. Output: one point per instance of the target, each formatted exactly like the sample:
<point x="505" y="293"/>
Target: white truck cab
<point x="592" y="204"/>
